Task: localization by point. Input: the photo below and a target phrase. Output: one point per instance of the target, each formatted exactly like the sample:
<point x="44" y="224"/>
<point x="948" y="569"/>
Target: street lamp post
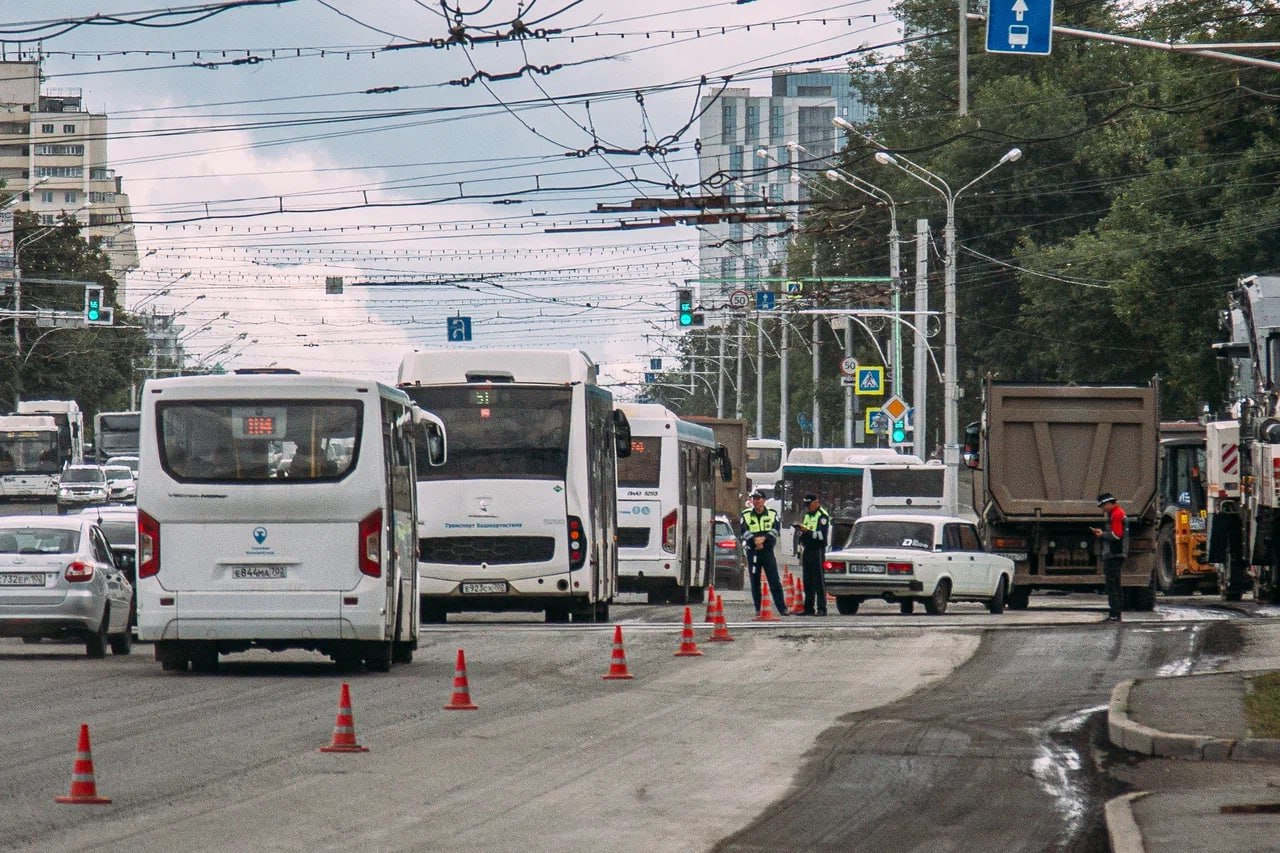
<point x="951" y="415"/>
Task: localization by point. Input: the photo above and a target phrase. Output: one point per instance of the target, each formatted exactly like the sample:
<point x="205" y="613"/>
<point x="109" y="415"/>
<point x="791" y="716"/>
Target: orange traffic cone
<point x="461" y="699"/>
<point x="798" y="608"/>
<point x="344" y="729"/>
<point x="618" y="661"/>
<point x="789" y="592"/>
<point x="711" y="605"/>
<point x="766" y="602"/>
<point x="721" y="633"/>
<point x="688" y="647"/>
<point x="83" y="789"/>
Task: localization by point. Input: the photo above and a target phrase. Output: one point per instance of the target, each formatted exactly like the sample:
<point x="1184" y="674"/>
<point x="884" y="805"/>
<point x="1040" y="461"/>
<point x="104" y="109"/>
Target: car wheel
<point x="907" y="606"/>
<point x="847" y="605"/>
<point x="996" y="604"/>
<point x="936" y="604"/>
<point x="122" y="644"/>
<point x="95" y="645"/>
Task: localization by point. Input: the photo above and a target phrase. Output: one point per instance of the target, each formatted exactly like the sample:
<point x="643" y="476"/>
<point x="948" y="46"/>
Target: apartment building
<point x="53" y="151"/>
<point x="734" y="127"/>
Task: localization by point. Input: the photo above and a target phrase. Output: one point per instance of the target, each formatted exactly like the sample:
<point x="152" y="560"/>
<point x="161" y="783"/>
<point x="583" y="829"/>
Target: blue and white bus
<point x="276" y="511"/>
<point x="523" y="516"/>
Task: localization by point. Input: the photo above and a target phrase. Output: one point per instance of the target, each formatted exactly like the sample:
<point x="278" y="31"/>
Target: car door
<point x="985" y="574"/>
<point x="119" y="592"/>
<point x="960" y="562"/>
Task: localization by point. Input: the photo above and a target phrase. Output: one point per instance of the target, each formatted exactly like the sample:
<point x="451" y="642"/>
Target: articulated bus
<point x="666" y="505"/>
<point x="276" y="511"/>
<point x="523" y="516"/>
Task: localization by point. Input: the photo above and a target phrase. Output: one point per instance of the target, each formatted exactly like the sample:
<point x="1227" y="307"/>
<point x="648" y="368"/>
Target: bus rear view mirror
<point x="621" y="434"/>
<point x="726" y="464"/>
<point x="430" y="436"/>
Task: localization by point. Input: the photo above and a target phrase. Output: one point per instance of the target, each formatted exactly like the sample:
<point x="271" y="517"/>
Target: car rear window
<point x="892" y="534"/>
<point x="39" y="540"/>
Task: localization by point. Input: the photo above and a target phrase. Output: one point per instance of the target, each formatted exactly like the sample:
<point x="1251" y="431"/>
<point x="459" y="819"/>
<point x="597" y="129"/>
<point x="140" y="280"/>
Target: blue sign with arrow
<point x="1020" y="26"/>
<point x="766" y="300"/>
<point x="458" y="329"/>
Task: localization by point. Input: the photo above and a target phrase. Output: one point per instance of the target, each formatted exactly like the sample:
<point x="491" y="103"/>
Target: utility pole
<point x="920" y="365"/>
<point x="742" y="357"/>
<point x="759" y="376"/>
<point x="784" y="408"/>
<point x="848" y="389"/>
<point x="817" y="409"/>
<point x="720" y="370"/>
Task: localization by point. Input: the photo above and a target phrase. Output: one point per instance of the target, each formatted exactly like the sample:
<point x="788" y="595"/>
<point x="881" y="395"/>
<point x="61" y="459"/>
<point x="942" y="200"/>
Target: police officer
<point x="760" y="531"/>
<point x="814" y="533"/>
<point x="1115" y="547"/>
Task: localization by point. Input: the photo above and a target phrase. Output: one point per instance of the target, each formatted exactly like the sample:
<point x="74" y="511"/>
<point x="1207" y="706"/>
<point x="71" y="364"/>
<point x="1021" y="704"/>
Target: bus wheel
<point x="557" y="613"/>
<point x="377" y="656"/>
<point x="204" y="659"/>
<point x="171" y="655"/>
<point x="433" y="613"/>
<point x="402" y="653"/>
<point x="697" y="595"/>
<point x="602" y="611"/>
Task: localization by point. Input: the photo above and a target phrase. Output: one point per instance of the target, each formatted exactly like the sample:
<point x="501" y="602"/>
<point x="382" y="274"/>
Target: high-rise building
<point x="53" y="152"/>
<point x="734" y="126"/>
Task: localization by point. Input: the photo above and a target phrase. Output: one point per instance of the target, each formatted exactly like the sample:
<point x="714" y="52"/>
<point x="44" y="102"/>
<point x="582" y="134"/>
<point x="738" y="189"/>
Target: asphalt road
<point x="876" y="732"/>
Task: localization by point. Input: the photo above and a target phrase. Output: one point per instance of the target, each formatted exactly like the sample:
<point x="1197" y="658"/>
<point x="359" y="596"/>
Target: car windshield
<point x="38" y="540"/>
<point x="83" y="475"/>
<point x="723" y="530"/>
<point x="119" y="474"/>
<point x="892" y="534"/>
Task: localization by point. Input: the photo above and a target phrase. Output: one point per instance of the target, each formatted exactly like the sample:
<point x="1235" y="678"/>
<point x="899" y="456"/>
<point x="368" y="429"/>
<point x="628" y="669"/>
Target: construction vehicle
<point x="1182" y="565"/>
<point x="1041" y="456"/>
<point x="1243" y="448"/>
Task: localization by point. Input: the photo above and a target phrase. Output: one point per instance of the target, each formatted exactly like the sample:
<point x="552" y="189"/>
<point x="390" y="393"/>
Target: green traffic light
<point x="899" y="432"/>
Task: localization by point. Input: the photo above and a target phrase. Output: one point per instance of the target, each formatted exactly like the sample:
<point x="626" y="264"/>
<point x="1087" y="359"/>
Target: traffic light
<point x="684" y="302"/>
<point x="898" y="431"/>
<point x="95" y="312"/>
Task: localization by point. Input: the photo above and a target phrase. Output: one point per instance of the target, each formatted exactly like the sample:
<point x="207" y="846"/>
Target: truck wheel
<point x="1141" y="598"/>
<point x="1019" y="597"/>
<point x="1166" y="560"/>
<point x="847" y="605"/>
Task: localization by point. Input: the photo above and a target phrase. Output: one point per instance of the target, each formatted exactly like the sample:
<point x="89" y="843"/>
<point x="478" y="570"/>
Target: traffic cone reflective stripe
<point x="721" y="633"/>
<point x="83" y="789"/>
<point x="688" y="647"/>
<point x="344" y="728"/>
<point x="789" y="593"/>
<point x="618" y="660"/>
<point x="461" y="699"/>
<point x="710" y="618"/>
<point x="766" y="601"/>
<point x="798" y="607"/>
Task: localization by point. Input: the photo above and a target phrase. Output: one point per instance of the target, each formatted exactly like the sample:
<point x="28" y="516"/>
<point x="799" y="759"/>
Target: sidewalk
<point x="1205" y="761"/>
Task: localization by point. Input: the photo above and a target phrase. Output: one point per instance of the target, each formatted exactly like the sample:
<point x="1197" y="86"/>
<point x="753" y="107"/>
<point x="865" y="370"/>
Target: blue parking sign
<point x="1020" y="26"/>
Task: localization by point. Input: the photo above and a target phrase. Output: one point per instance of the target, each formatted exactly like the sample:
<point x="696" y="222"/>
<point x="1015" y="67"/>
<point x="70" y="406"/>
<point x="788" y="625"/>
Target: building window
<point x="751" y="268"/>
<point x="101" y="198"/>
<point x="735" y="231"/>
<point x="728" y="122"/>
<point x="68" y="128"/>
<point x="47" y="219"/>
<point x="59" y="150"/>
<point x="727" y="268"/>
<point x="777" y="124"/>
<point x="775" y="192"/>
<point x="46" y="128"/>
<point x="69" y="197"/>
<point x="753" y="122"/>
<point x="813" y="91"/>
<point x="735" y="159"/>
<point x="46" y="196"/>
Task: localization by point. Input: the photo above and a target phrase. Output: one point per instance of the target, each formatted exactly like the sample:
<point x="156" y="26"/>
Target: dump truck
<point x="731" y="433"/>
<point x="1041" y="456"/>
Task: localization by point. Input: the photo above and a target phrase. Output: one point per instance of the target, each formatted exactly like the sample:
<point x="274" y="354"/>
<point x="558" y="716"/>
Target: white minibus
<point x="276" y="511"/>
<point x="523" y="516"/>
<point x="666" y="505"/>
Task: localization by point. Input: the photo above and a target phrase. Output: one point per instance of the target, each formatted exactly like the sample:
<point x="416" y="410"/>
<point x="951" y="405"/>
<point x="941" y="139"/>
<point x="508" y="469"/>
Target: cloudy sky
<point x="265" y="146"/>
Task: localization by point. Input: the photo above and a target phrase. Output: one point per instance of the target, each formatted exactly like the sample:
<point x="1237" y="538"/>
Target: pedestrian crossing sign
<point x="870" y="381"/>
<point x="873" y="421"/>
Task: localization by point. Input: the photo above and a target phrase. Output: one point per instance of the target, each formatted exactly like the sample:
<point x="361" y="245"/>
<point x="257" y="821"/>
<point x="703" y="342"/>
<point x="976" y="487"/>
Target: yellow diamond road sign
<point x="895" y="408"/>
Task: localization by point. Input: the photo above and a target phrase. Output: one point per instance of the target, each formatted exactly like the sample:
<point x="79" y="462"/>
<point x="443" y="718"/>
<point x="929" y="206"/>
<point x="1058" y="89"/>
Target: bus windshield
<point x="257" y="440"/>
<point x="499" y="432"/>
<point x="640" y="469"/>
<point x="763" y="460"/>
<point x="29" y="452"/>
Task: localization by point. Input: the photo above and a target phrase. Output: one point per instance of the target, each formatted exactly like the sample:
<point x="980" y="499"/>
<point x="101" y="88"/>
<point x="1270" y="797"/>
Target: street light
<point x="951" y="419"/>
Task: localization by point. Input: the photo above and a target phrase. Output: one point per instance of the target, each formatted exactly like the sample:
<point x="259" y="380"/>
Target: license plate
<point x="36" y="579"/>
<point x="482" y="588"/>
<point x="866" y="568"/>
<point x="258" y="573"/>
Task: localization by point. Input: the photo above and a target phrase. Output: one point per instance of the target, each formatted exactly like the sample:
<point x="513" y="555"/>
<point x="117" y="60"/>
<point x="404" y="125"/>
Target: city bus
<point x="115" y="434"/>
<point x="523" y="516"/>
<point x="765" y="457"/>
<point x="30" y="462"/>
<point x="666" y="505"/>
<point x="276" y="511"/>
<point x="835" y="475"/>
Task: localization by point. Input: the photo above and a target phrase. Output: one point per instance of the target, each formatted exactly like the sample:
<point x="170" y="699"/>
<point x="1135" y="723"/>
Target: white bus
<point x="666" y="505"/>
<point x="765" y="457"/>
<point x="30" y="462"/>
<point x="910" y="488"/>
<point x="70" y="420"/>
<point x="276" y="511"/>
<point x="523" y="516"/>
<point x="115" y="434"/>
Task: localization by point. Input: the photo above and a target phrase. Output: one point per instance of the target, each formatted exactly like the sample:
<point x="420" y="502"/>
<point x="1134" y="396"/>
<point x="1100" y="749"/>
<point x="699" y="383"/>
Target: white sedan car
<point x="910" y="558"/>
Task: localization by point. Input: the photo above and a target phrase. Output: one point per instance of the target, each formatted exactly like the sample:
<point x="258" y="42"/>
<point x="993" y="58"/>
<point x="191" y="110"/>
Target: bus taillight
<point x="577" y="544"/>
<point x="370" y="548"/>
<point x="148" y="545"/>
<point x="669" y="532"/>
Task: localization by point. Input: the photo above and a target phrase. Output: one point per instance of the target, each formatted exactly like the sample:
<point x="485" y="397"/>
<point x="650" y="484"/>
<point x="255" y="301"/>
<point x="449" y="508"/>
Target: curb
<point x="1130" y="735"/>
<point x="1122" y="827"/>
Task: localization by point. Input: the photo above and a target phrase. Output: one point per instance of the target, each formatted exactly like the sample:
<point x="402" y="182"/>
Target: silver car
<point x="59" y="580"/>
<point x="81" y="485"/>
<point x="121" y="485"/>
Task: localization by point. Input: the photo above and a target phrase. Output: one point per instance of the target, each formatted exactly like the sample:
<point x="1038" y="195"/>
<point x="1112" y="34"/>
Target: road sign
<point x="870" y="381"/>
<point x="874" y="421"/>
<point x="802" y="421"/>
<point x="458" y="329"/>
<point x="1020" y="26"/>
<point x="849" y="365"/>
<point x="794" y="289"/>
<point x="738" y="299"/>
<point x="766" y="300"/>
<point x="894" y="407"/>
<point x="847" y="381"/>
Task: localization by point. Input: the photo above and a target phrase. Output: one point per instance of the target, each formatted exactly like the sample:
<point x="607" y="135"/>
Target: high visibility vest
<point x="813" y="522"/>
<point x="762" y="523"/>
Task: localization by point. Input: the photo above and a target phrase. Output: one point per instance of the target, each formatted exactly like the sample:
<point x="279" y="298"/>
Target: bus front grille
<point x="633" y="537"/>
<point x="494" y="550"/>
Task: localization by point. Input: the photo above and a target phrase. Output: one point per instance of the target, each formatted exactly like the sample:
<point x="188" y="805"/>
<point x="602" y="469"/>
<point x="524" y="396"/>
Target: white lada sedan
<point x="910" y="558"/>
